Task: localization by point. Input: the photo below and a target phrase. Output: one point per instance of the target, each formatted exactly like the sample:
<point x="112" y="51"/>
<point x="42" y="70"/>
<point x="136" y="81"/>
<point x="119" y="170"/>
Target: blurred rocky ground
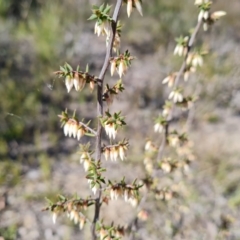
<point x="37" y="161"/>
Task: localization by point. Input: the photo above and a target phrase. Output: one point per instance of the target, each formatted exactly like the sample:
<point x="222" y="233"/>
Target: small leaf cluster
<point x="111" y="232"/>
<point x="111" y="123"/>
<point x="101" y="14"/>
<point x="204" y="13"/>
<point x="76" y="78"/>
<point x="74" y="207"/>
<point x="110" y="92"/>
<point x="130" y="192"/>
<point x="103" y="19"/>
<point x="121" y="63"/>
<point x="94" y="175"/>
<point x="72" y="127"/>
<point x="113" y="152"/>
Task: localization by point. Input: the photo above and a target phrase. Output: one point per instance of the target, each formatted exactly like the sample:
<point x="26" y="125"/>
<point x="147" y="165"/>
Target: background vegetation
<point x="37" y="161"/>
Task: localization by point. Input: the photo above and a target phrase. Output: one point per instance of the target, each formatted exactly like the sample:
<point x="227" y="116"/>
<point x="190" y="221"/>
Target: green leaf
<point x="108" y="114"/>
<point x="68" y="67"/>
<point x="90" y="176"/>
<point x="107" y="9"/>
<point x="61" y="197"/>
<point x="49" y="201"/>
<point x="62" y="69"/>
<point x="101" y="8"/>
<point x="102" y="180"/>
<point x="92" y="17"/>
<point x="95" y="7"/>
<point x="87" y="68"/>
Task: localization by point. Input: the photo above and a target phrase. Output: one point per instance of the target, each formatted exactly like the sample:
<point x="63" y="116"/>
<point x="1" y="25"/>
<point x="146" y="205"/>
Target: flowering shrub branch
<point x="114" y="21"/>
<point x="104" y="190"/>
<point x="156" y="164"/>
<point x="135" y="193"/>
<point x="191" y="61"/>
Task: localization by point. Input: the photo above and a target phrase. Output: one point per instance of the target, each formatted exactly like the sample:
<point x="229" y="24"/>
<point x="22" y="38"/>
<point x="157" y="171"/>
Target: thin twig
<point x="100" y="108"/>
<point x="164" y="141"/>
<point x="88" y="128"/>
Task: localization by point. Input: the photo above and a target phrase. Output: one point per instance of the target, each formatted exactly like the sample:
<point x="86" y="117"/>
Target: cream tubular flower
<point x="76" y="217"/>
<point x="106" y="153"/>
<point x="127" y="195"/>
<point x="205" y="27"/>
<point x="74" y="129"/>
<point x="133" y="201"/>
<point x="169" y="80"/>
<point x="138" y="6"/>
<point x="98" y="29"/>
<point x="218" y="14"/>
<point x="78" y="82"/>
<point x="54" y="217"/>
<point x="165" y="112"/>
<point x="200" y="15"/>
<point x="148" y="145"/>
<point x="179" y="50"/>
<point x="113" y="67"/>
<point x="80" y="133"/>
<point x="206" y="15"/>
<point x="197" y="60"/>
<point x="122" y="68"/>
<point x="110" y="130"/>
<point x="66" y="128"/>
<point x="92" y="85"/>
<point x="200" y="2"/>
<point x="68" y="83"/>
<point x="111" y="154"/>
<point x="71" y="129"/>
<point x="121" y="151"/>
<point x="176" y="96"/>
<point x="158" y="127"/>
<point x="94" y="189"/>
<point x="166" y="167"/>
<point x="81" y="223"/>
<point x="129" y="7"/>
<point x="106" y="28"/>
<point x="174" y="140"/>
<point x="114" y="151"/>
<point x="84" y="156"/>
<point x="86" y="164"/>
<point x="112" y="194"/>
